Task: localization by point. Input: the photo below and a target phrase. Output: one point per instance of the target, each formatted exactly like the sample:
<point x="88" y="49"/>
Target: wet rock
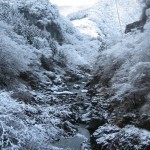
<point x="94" y="123"/>
<point x="68" y="127"/>
<point x="86" y="117"/>
<point x="66" y="78"/>
<point x="33" y="114"/>
<point x="86" y="105"/>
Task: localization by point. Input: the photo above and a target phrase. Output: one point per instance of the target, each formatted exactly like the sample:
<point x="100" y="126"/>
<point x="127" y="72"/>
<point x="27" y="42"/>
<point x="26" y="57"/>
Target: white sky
<point x="73" y="2"/>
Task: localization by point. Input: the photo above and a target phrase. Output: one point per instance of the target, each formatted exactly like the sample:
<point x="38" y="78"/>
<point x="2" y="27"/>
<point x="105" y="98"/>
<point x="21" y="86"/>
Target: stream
<point x="81" y="140"/>
<point x="77" y="142"/>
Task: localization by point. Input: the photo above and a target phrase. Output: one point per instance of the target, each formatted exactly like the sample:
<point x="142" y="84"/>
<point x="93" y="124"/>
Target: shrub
<point x="8" y="66"/>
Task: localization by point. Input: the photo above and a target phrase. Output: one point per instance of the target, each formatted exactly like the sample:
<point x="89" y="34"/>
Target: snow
<point x="63" y="93"/>
<point x="84" y="91"/>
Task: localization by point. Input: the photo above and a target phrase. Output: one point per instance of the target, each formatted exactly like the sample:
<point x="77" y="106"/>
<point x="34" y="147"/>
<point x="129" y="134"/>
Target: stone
<point x="76" y="86"/>
<point x="47" y="63"/>
<point x="94" y="123"/>
<point x="50" y="75"/>
<point x="110" y="137"/>
<point x="24" y="96"/>
<point x="31" y="79"/>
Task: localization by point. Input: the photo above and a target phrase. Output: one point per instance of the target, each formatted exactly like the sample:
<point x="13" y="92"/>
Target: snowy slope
<point x="99" y="24"/>
<point x="127" y="61"/>
<point x="102" y="18"/>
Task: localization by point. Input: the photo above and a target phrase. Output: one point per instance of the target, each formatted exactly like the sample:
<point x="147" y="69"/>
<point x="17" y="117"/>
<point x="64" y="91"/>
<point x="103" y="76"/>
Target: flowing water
<point x="76" y="142"/>
<point x="81" y="140"/>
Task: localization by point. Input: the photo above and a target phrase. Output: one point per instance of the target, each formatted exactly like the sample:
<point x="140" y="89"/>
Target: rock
<point x="91" y="92"/>
<point x="133" y="101"/>
<point x="31" y="79"/>
<point x="47" y="63"/>
<point x="126" y="119"/>
<point x="71" y="76"/>
<point x="66" y="78"/>
<point x="50" y="75"/>
<point x="24" y="96"/>
<point x="94" y="102"/>
<point x="144" y="119"/>
<point x="94" y="123"/>
<point x="58" y="80"/>
<point x="137" y="25"/>
<point x="111" y="137"/>
<point x="85" y="69"/>
<point x="97" y="140"/>
<point x="55" y="31"/>
<point x="68" y="127"/>
<point x="76" y="86"/>
<point x="144" y="122"/>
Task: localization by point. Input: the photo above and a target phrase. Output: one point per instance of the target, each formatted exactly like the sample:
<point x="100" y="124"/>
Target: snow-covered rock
<point x="112" y="137"/>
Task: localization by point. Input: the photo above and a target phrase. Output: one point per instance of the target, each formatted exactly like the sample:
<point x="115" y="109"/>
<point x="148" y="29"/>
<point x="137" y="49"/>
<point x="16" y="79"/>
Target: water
<point x="75" y="142"/>
<point x="81" y="140"/>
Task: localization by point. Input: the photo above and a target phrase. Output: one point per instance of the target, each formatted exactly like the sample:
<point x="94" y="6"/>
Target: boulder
<point x="94" y="123"/>
<point x="110" y="137"/>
